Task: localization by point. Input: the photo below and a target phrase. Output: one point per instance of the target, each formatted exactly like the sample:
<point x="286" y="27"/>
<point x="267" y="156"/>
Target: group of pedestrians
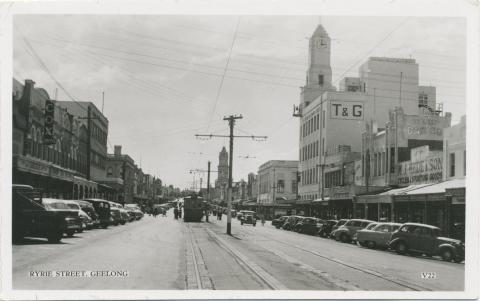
<point x="218" y="213"/>
<point x="177" y="212"/>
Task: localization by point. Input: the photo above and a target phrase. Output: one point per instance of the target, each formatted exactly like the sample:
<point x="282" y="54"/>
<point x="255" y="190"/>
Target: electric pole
<point x="231" y="122"/>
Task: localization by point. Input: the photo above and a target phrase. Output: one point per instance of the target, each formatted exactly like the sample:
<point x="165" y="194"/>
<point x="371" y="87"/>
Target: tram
<point x="193" y="208"/>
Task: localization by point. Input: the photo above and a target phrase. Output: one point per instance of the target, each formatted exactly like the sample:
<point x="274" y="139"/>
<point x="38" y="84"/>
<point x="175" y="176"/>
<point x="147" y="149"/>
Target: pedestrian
<point x="164" y="212"/>
<point x="219" y="216"/>
<point x="175" y="212"/>
<point x="180" y="212"/>
<point x="263" y="220"/>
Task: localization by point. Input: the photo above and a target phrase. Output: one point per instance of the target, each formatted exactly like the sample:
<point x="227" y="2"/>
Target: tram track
<point x="197" y="278"/>
<point x="391" y="279"/>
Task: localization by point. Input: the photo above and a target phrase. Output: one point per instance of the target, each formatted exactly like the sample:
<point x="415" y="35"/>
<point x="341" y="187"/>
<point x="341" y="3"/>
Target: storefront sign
<point x="351" y="110"/>
<point x="358" y="173"/>
<point x="61" y="174"/>
<point x="48" y="135"/>
<point x="424" y="127"/>
<point x="429" y="170"/>
<point x="30" y="165"/>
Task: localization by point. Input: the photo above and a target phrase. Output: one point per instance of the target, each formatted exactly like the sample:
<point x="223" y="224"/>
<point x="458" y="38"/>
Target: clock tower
<point x="319" y="74"/>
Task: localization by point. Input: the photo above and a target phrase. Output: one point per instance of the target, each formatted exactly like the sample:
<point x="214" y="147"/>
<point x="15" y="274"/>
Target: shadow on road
<point x="36" y="241"/>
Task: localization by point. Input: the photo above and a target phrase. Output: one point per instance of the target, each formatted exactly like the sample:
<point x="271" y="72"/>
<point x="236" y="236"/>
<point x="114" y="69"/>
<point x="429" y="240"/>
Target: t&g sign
<point x="346" y="110"/>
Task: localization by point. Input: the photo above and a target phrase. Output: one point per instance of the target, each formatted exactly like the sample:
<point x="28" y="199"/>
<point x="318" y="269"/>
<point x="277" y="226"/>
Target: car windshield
<point x="371" y="226"/>
<point x="73" y="206"/>
<point x="57" y="205"/>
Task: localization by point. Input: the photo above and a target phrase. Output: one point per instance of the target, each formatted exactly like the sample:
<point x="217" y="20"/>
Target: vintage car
<point x="346" y="232"/>
<point x="308" y="225"/>
<point x="248" y="218"/>
<point x="376" y="235"/>
<point x="73" y="220"/>
<point x="136" y="210"/>
<point x="102" y="208"/>
<point x="291" y="222"/>
<point x="31" y="218"/>
<point x="339" y="223"/>
<point x="87" y="222"/>
<point x="243" y="212"/>
<point x="278" y="222"/>
<point x="88" y="209"/>
<point x="425" y="239"/>
<point x="326" y="227"/>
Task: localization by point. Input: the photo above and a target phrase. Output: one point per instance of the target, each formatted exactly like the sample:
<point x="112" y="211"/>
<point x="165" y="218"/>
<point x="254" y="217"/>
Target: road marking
<point x="271" y="281"/>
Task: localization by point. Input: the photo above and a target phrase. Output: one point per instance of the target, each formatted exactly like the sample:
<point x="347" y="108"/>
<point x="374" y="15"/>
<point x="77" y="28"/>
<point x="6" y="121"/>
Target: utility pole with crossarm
<point x="231" y="122"/>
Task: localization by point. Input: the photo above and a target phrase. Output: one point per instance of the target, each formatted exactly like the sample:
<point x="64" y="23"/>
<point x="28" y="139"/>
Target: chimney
<point x="117" y="150"/>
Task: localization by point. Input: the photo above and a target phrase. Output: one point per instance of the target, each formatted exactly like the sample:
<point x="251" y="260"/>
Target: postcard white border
<point x="441" y="8"/>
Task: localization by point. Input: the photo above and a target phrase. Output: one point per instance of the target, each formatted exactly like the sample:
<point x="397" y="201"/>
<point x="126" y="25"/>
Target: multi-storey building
<point x="120" y="174"/>
<point x="58" y="166"/>
<point x="277" y="186"/>
<point x="332" y="122"/>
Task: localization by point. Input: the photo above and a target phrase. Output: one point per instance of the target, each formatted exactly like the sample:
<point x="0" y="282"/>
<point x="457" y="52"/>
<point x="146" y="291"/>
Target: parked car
<point x="278" y="222"/>
<point x="376" y="235"/>
<point x="339" y="223"/>
<point x="426" y="239"/>
<point x="116" y="217"/>
<point x="102" y="208"/>
<point x="291" y="222"/>
<point x="72" y="219"/>
<point x="308" y="225"/>
<point x="125" y="216"/>
<point x="87" y="222"/>
<point x="136" y="210"/>
<point x="346" y="232"/>
<point x="88" y="209"/>
<point x="248" y="218"/>
<point x="31" y="218"/>
<point x="326" y="228"/>
<point x="131" y="214"/>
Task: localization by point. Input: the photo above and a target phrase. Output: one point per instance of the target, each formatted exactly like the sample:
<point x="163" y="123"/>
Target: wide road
<point x="163" y="253"/>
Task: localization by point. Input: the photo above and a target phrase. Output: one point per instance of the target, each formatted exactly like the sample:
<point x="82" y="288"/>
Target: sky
<point x="167" y="78"/>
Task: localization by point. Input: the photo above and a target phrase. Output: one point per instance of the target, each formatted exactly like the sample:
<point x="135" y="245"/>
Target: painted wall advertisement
<point x="428" y="170"/>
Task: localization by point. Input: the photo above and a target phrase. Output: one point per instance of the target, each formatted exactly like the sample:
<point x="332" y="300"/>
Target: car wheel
<point x="55" y="238"/>
<point x="457" y="259"/>
<point x="371" y="245"/>
<point x="70" y="233"/>
<point x="446" y="254"/>
<point x="241" y="223"/>
<point x="344" y="238"/>
<point x="80" y="230"/>
<point x="401" y="248"/>
<point x="104" y="226"/>
<point x="254" y="224"/>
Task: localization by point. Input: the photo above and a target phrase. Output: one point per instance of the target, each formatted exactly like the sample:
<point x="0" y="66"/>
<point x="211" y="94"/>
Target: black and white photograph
<point x="228" y="154"/>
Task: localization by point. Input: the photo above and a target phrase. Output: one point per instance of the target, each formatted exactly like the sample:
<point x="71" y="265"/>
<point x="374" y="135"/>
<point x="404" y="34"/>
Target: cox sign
<point x="48" y="134"/>
<point x="346" y="110"/>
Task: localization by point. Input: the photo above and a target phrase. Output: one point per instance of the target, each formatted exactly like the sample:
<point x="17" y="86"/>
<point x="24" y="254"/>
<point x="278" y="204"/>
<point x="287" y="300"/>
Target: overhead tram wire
<point x="224" y="72"/>
<point x="210" y="66"/>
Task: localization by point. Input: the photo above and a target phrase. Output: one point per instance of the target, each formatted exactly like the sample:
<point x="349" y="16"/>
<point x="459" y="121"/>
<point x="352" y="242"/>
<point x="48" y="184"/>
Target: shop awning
<point x="323" y="202"/>
<point x="438" y="187"/>
<point x="404" y="190"/>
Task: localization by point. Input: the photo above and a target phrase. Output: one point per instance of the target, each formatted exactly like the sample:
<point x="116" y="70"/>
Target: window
<point x="452" y="164"/>
<point x="323" y="119"/>
<point x="294" y="186"/>
<point x="320" y="79"/>
<point x="464" y="162"/>
<point x="280" y="186"/>
<point x="422" y="100"/>
<point x="109" y="172"/>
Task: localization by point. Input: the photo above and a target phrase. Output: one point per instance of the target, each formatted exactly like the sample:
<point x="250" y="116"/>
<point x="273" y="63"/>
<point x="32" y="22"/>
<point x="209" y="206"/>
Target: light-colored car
<point x="346" y="232"/>
<point x="378" y="236"/>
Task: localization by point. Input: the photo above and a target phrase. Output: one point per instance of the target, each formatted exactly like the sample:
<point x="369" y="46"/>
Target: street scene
<point x="238" y="153"/>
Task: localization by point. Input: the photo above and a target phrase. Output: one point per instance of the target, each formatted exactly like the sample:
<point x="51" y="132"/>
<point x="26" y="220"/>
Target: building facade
<point x="120" y="174"/>
<point x="57" y="166"/>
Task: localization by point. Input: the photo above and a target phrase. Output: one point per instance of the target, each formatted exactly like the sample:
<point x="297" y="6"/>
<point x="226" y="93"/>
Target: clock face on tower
<point x="321" y="43"/>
